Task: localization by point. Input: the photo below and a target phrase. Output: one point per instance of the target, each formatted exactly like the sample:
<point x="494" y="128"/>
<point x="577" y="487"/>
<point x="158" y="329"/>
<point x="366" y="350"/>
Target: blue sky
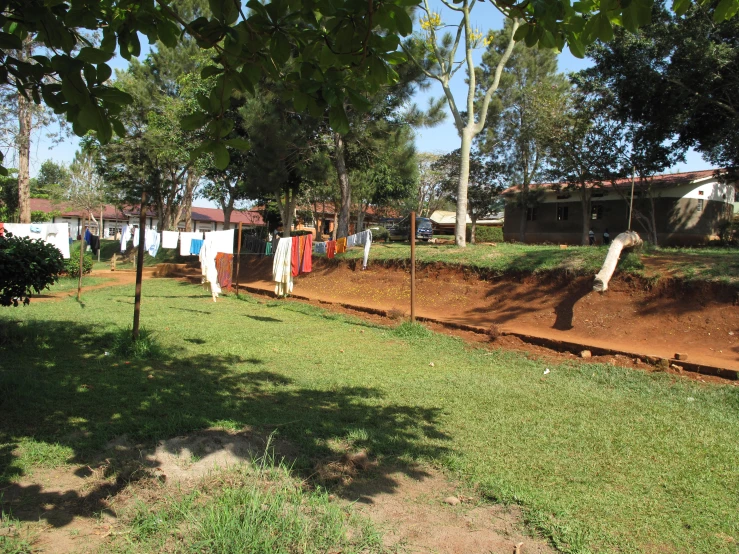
<point x="442" y="138"/>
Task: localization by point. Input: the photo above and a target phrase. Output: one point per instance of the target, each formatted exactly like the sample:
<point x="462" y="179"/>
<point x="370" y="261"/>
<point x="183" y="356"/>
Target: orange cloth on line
<point x="341" y="245"/>
<point x="330" y="249"/>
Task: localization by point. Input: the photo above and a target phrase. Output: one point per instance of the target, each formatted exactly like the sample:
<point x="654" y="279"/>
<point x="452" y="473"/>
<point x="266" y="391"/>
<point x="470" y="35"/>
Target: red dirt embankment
<point x="631" y="317"/>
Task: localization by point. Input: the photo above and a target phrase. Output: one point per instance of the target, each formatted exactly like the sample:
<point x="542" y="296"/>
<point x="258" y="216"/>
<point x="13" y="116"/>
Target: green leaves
<point x="726" y="9"/>
<point x="220" y="155"/>
<point x="338" y="119"/>
<point x="194" y="121"/>
<point x="93" y="55"/>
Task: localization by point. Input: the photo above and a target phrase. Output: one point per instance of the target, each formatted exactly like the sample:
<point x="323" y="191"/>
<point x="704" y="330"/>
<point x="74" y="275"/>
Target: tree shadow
<point x="565" y="308"/>
<point x="60" y="390"/>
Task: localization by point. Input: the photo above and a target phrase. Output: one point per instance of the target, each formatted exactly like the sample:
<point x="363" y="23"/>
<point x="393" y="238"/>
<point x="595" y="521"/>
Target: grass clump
<point x="145" y="347"/>
<point x="411" y="331"/>
<point x="250" y="508"/>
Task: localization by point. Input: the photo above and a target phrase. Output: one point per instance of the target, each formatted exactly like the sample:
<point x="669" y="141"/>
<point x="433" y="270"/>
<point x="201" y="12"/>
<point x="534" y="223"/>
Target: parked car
<point x="401" y="230"/>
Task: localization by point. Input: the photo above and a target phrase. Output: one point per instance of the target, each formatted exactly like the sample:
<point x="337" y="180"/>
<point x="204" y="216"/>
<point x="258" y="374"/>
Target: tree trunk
<point x="361" y="213"/>
<point x="227" y="211"/>
<point x="473" y="229"/>
<point x="287" y="210"/>
<point x="24" y="154"/>
<point x="653" y="220"/>
<point x="624" y="240"/>
<point x="460" y="225"/>
<point x="344" y="187"/>
<point x="336" y="226"/>
<point x="585" y="204"/>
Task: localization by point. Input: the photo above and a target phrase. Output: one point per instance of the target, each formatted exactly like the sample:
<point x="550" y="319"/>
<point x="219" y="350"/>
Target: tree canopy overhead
<point x="339" y="50"/>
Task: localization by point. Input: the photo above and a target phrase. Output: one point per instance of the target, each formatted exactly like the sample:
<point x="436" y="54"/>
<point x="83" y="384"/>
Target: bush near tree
<point x="26" y="266"/>
<point x="486" y="234"/>
<point x="72" y="265"/>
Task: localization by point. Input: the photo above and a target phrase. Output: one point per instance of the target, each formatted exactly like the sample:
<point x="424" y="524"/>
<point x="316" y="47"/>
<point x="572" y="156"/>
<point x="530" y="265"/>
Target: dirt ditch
<point x="635" y="318"/>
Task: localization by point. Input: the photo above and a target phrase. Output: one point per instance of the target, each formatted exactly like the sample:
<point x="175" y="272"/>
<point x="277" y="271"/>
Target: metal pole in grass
<point x="413" y="266"/>
<point x="238" y="258"/>
<point x="139" y="268"/>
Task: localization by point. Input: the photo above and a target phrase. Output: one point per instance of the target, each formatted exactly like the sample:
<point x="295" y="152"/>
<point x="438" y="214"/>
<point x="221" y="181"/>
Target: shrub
<point x="72" y="265"/>
<point x="381" y="233"/>
<point x="26" y="266"/>
<point x="485" y="233"/>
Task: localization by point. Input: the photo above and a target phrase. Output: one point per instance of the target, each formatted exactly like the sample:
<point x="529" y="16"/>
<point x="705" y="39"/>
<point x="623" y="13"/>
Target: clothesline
<point x="56" y="234"/>
<point x="339" y="246"/>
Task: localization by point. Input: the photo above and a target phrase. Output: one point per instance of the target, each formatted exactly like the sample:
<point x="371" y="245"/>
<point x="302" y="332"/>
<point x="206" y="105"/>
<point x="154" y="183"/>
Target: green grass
<point x="500" y="259"/>
<point x="110" y="247"/>
<point x="700" y="264"/>
<point x="70" y="283"/>
<point x="601" y="459"/>
<point x="691" y="264"/>
<point x="260" y="508"/>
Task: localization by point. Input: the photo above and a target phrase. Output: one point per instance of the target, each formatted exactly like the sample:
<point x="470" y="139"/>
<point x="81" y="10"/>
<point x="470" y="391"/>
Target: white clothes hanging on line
<point x="282" y="273"/>
<point x="56" y="234"/>
<point x="151" y="242"/>
<point x="125" y="237"/>
<point x="136" y="235"/>
<point x="222" y="241"/>
<point x="169" y="239"/>
<point x="363" y="238"/>
<point x="186" y="239"/>
<point x="208" y="267"/>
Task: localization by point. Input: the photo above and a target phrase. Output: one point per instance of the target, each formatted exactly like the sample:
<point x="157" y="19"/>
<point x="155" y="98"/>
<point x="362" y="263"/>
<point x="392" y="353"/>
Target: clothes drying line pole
<point x="82" y="264"/>
<point x="238" y="258"/>
<point x="413" y="266"/>
<point x="139" y="268"/>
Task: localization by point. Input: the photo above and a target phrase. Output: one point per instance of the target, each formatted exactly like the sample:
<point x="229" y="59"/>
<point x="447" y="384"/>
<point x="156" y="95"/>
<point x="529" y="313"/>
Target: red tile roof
<point x="250" y="217"/>
<point x="665" y="180"/>
<point x="214" y="215"/>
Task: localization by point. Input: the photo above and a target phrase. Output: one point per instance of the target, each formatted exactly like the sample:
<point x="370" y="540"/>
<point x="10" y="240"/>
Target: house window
<point x="563" y="213"/>
<point x="700" y="204"/>
<point x="530" y="214"/>
<point x="736" y="195"/>
<point x="596" y="211"/>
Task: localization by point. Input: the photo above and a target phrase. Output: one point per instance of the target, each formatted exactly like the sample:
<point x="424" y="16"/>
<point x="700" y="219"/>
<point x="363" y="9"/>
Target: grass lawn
<point x="601" y="458"/>
<point x="500" y="259"/>
<point x="70" y="283"/>
<point x="110" y="247"/>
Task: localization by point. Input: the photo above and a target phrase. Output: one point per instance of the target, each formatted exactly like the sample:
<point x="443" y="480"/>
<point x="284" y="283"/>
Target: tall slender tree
<point x="531" y="94"/>
<point x="437" y="57"/>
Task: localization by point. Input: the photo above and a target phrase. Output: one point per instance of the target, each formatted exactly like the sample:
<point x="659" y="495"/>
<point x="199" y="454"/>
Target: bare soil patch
<point x="421" y="515"/>
<point x="74" y="509"/>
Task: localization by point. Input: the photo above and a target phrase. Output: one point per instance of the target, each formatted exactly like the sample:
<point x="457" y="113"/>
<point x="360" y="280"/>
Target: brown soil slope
<point x="702" y="321"/>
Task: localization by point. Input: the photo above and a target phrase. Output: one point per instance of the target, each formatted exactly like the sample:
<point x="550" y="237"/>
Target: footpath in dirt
<point x="702" y="322"/>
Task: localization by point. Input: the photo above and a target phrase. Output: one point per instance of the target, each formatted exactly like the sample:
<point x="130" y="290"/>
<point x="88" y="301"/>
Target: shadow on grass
<point x="60" y="391"/>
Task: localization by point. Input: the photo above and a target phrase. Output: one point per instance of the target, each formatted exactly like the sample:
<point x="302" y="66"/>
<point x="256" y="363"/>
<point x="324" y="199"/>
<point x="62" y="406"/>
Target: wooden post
<point x="139" y="268"/>
<point x="413" y="266"/>
<point x="100" y="232"/>
<point x="631" y="203"/>
<point x="82" y="257"/>
<point x="238" y="258"/>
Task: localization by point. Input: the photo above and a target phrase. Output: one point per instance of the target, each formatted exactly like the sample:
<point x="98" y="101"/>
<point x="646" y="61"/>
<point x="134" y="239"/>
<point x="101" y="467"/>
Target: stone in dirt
<point x="586" y="354"/>
<point x="677" y="367"/>
<point x="452" y="500"/>
<point x="681" y="356"/>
